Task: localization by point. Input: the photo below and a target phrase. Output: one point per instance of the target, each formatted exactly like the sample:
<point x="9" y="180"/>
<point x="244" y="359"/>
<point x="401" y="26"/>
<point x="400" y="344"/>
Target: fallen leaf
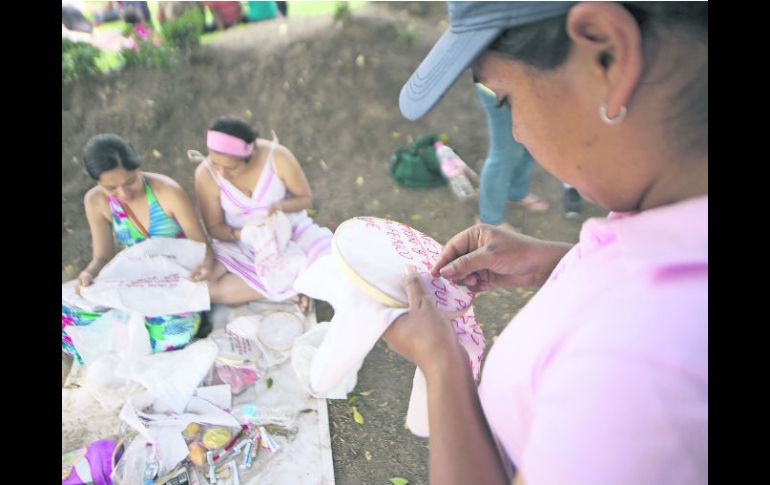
<point x="323" y="164"/>
<point x="398" y="481"/>
<point x="360" y="60"/>
<point x="415" y="217"/>
<point x="395" y="135"/>
<point x="156" y="154"/>
<point x="269" y="382"/>
<point x="366" y="393"/>
<point x="368" y="455"/>
<point x="360" y="181"/>
<point x="353" y="399"/>
<point x="357" y="416"/>
<point x="248" y="114"/>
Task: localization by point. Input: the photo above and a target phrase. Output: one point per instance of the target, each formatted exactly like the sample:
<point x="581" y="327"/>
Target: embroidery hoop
<point x="266" y="326"/>
<point x="370" y="285"/>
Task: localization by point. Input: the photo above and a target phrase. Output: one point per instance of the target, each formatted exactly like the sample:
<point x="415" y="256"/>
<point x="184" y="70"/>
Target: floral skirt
<point x="167" y="332"/>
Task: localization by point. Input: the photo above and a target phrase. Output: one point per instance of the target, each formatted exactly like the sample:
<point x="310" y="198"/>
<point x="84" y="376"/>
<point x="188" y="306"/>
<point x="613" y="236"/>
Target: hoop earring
<point x="611" y="121"/>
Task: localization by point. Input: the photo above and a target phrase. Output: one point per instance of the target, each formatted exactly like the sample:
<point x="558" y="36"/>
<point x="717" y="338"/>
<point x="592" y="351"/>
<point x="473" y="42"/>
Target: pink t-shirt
<point x="602" y="378"/>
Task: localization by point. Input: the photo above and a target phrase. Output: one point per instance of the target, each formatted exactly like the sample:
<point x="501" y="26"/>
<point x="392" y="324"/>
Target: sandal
<point x="304" y="301"/>
<point x="533" y="203"/>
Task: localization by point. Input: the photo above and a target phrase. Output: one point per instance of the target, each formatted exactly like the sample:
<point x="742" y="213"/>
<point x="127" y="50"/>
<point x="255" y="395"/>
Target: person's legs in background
<point x="519" y="187"/>
<point x="507" y="168"/>
<point x="503" y="158"/>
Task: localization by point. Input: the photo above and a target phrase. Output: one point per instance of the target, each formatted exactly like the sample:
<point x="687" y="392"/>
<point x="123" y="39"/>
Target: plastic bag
<point x="172" y="377"/>
<point x="305" y="348"/>
<point x="236" y="361"/>
<point x="123" y="340"/>
<point x="137" y="462"/>
<point x="238" y="377"/>
<point x="89" y="465"/>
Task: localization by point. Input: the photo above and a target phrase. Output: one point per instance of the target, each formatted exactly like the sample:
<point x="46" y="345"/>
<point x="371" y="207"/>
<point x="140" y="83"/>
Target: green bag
<point x="416" y="165"/>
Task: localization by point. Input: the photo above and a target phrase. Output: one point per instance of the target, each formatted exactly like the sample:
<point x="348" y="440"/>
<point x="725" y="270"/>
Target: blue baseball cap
<point x="473" y="26"/>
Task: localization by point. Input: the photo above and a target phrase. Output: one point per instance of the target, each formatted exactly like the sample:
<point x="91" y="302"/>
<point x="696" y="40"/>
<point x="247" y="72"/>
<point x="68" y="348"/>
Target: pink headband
<point x="228" y="144"/>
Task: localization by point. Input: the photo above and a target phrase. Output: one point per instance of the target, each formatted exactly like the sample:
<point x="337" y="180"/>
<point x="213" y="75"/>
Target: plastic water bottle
<point x="453" y="169"/>
<point x="151" y="467"/>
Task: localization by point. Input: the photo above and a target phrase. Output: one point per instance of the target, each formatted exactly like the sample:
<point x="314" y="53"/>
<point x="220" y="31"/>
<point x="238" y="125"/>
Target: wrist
<point x="450" y="360"/>
<point x="550" y="255"/>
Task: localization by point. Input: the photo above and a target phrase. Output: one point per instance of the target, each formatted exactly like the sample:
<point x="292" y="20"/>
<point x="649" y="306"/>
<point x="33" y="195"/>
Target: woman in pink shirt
<point x="602" y="378"/>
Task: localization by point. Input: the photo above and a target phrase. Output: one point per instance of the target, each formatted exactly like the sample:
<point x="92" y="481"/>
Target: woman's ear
<point x="610" y="37"/>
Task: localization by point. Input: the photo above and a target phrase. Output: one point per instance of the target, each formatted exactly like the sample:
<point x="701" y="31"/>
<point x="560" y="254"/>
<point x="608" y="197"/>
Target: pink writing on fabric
<point x="152" y="282"/>
<point x="412" y="245"/>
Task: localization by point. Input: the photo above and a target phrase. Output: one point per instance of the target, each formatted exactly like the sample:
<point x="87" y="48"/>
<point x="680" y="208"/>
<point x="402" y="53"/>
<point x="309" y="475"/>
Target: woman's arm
<point x="462" y="450"/>
<point x="102" y="248"/>
<point x="291" y="174"/>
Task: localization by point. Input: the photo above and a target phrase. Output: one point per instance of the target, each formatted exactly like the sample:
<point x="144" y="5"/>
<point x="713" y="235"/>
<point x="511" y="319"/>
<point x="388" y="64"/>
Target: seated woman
<point x="246" y="178"/>
<point x="135" y="205"/>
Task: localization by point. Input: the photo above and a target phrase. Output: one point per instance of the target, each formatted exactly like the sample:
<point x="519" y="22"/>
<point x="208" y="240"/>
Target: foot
<point x="572" y="204"/>
<point x="533" y="203"/>
<point x="303" y="303"/>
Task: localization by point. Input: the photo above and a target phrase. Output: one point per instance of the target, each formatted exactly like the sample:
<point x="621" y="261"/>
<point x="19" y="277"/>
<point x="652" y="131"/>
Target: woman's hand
<point x="274" y="207"/>
<point x="424" y="335"/>
<point x="201" y="273"/>
<point x="84" y="279"/>
<point x="484" y="257"/>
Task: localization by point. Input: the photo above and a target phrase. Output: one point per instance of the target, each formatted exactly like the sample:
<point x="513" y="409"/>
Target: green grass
<point x="109" y="61"/>
<point x="299" y="9"/>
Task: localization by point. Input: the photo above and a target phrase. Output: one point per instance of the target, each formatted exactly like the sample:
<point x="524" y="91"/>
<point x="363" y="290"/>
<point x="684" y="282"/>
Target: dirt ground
<point x="330" y="92"/>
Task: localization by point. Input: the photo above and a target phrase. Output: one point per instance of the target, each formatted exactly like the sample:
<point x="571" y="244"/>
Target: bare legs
<point x="229" y="289"/>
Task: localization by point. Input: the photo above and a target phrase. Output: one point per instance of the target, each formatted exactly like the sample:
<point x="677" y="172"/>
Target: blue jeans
<point x="506" y="170"/>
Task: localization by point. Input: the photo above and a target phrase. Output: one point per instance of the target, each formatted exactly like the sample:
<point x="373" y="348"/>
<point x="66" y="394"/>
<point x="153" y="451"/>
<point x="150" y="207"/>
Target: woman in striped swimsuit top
<point x="134" y="205"/>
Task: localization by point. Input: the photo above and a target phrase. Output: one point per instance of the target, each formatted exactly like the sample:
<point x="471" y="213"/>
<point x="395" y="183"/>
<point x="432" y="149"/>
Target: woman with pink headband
<point x="246" y="179"/>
